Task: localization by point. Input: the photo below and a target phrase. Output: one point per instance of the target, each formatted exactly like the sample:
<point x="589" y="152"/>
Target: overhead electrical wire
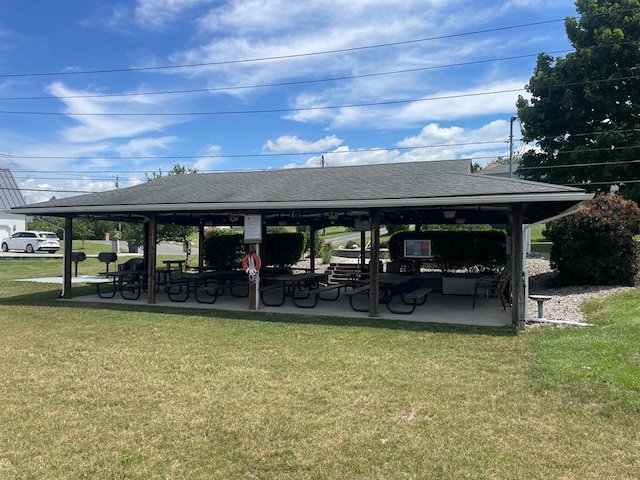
<point x="305" y="54"/>
<point x="282" y="57"/>
<point x="390" y="102"/>
<point x="306" y="109"/>
<point x="280" y="84"/>
<point x="277" y="84"/>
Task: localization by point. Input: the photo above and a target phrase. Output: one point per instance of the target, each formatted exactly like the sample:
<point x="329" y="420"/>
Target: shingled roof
<point x="394" y="188"/>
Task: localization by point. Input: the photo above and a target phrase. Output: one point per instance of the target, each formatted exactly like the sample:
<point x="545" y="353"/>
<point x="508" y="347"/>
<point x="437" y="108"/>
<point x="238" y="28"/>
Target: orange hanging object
<point x="251" y="263"/>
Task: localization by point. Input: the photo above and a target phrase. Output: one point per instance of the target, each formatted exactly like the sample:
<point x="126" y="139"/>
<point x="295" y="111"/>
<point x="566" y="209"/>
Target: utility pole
<point x="119" y="223"/>
<point x="323" y="164"/>
<point x="513" y="119"/>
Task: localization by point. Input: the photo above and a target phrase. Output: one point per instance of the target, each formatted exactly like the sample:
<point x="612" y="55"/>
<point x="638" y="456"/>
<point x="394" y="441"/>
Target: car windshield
<point x="49" y="235"/>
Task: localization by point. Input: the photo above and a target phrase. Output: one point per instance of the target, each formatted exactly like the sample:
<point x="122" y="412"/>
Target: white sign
<point x="252" y="228"/>
<point x="362" y="225"/>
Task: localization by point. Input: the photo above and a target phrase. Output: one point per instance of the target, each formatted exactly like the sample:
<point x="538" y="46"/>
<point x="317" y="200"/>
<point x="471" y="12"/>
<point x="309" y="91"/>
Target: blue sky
<point x="94" y="92"/>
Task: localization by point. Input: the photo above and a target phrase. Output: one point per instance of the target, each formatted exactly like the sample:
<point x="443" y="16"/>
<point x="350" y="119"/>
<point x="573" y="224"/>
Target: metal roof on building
<point x="10" y="195"/>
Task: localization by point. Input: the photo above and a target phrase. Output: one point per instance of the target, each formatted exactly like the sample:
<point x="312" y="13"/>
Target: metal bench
<point x="356" y="291"/>
<point x="316" y="294"/>
<point x="413" y="299"/>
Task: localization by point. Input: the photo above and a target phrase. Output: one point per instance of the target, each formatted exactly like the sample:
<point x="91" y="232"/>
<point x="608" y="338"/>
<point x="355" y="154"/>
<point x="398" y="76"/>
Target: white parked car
<point x="32" y="241"/>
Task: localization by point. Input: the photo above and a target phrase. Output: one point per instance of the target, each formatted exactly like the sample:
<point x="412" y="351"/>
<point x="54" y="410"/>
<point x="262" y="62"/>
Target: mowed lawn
<point x="117" y="392"/>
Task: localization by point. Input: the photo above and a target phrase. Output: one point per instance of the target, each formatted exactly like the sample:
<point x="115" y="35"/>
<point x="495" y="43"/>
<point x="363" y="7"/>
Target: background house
<point x="10" y="197"/>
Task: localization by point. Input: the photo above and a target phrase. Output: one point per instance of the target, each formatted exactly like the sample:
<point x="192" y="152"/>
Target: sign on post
<point x="252" y="228"/>
<point x="253" y="236"/>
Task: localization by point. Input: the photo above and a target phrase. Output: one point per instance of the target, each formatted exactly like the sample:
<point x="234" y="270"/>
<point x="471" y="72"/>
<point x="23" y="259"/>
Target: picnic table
<point x="206" y="285"/>
<point x="296" y="286"/>
<point x="392" y="285"/>
<point x="129" y="283"/>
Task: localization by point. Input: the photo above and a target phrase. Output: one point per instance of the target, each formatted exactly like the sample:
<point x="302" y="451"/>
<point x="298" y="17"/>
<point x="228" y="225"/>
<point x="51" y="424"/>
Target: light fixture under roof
<point x="449" y="214"/>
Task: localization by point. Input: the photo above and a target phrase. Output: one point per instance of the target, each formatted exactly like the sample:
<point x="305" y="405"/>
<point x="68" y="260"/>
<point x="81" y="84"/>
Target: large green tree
<point x="168" y="232"/>
<point x="165" y="232"/>
<point x="583" y="111"/>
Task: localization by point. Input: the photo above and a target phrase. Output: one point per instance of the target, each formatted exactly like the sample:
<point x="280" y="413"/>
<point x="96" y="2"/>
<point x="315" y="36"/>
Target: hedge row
<point x="226" y="250"/>
<point x="473" y="251"/>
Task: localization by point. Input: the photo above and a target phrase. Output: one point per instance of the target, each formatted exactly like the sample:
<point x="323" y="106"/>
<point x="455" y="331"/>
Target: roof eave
<point x="572" y="196"/>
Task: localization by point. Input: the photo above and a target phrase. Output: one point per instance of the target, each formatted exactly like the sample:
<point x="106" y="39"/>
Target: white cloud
<point x="97" y="117"/>
<point x="212" y="149"/>
<point x="157" y="13"/>
<point x="433" y="142"/>
<point x="433" y="134"/>
<point x="437" y="106"/>
<point x="145" y="146"/>
<point x="210" y="158"/>
<point x="293" y="144"/>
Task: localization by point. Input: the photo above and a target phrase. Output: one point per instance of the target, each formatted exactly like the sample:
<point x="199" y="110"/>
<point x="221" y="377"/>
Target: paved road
<point x="354" y="236"/>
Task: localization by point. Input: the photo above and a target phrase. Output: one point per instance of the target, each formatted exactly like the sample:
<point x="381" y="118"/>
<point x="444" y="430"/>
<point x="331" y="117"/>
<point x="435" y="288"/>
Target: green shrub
<point x="284" y="249"/>
<point x="595" y="246"/>
<point x="326" y="252"/>
<point x="471" y="250"/>
<point x="393" y="228"/>
<point x="225" y="248"/>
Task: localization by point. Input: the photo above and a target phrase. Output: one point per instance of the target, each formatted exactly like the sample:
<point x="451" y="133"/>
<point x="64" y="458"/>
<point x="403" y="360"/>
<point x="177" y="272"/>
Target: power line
<point x="594" y="164"/>
<point x="109" y="178"/>
<point x="251" y="112"/>
<point x="48" y="190"/>
<point x="282" y="57"/>
<point x="306" y="54"/>
<point x="306" y="109"/>
<point x="278" y="84"/>
<point x="612" y="182"/>
<point x="249" y="155"/>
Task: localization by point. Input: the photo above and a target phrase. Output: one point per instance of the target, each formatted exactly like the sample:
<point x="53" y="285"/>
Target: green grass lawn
<point x="114" y="392"/>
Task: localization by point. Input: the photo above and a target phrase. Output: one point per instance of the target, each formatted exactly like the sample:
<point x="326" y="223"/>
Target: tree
<point x="49" y="224"/>
<point x="83" y="229"/>
<point x="166" y="232"/>
<point x="584" y="107"/>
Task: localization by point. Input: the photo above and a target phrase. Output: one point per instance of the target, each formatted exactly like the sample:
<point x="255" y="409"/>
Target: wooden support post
<point x="363" y="251"/>
<point x="201" y="247"/>
<point x="373" y="266"/>
<point x="312" y="248"/>
<point x="517" y="260"/>
<point x="66" y="259"/>
<point x="150" y="254"/>
<point x="254" y="287"/>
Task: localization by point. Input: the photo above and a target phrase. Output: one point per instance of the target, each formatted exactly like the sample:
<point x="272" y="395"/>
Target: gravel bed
<point x="565" y="302"/>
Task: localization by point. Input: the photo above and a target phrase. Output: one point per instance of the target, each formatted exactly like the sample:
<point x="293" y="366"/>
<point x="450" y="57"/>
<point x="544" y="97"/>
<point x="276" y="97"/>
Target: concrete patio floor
<point x="447" y="309"/>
